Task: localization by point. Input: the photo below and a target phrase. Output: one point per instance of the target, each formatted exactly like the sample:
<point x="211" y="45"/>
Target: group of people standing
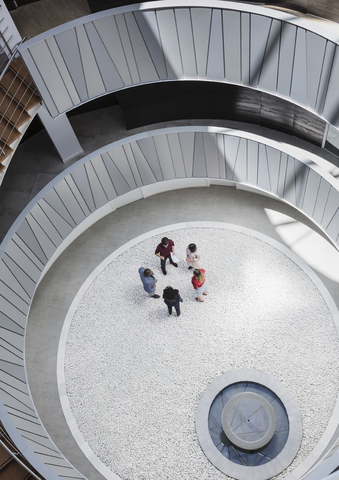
<point x="165" y="251"/>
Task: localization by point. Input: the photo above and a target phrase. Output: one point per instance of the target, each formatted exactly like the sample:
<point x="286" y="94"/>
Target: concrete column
<point x="62" y="134"/>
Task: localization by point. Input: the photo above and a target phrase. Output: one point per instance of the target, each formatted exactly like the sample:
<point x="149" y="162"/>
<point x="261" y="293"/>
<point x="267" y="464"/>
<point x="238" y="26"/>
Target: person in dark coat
<point x="172" y="299"/>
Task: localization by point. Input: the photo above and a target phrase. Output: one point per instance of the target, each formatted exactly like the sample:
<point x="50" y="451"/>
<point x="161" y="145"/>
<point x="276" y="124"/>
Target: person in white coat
<point x="193" y="256"/>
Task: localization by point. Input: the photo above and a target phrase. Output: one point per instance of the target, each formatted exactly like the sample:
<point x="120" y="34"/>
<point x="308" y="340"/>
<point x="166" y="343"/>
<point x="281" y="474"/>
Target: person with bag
<point x="164" y="251"/>
<point x="172" y="299"/>
<point x="193" y="257"/>
<point x="200" y="284"/>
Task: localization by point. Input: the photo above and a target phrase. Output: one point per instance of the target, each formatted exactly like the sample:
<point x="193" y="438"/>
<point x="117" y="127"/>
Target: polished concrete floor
<point x="36" y="161"/>
<point x="37" y="17"/>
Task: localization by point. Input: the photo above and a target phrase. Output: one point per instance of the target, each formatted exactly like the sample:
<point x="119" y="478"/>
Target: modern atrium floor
<point x="57" y="290"/>
<point x="36" y="163"/>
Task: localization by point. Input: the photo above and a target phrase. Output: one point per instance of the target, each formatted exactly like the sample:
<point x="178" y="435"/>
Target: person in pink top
<point x="163" y="251"/>
<point x="193" y="256"/>
<point x="199" y="283"/>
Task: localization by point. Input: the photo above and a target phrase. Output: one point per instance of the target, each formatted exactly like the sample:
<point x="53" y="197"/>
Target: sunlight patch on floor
<point x="307" y="244"/>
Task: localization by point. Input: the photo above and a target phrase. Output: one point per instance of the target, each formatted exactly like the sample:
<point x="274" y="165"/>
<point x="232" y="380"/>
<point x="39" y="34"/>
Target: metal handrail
<point x="26" y="81"/>
<point x="14" y="452"/>
<point x="12" y="56"/>
<point x="10" y="50"/>
<point x="16" y="99"/>
<point x="2" y="36"/>
<point x="9" y="123"/>
<point x="8" y="120"/>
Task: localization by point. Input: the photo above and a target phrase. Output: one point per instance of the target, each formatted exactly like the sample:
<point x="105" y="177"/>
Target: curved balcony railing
<point x="116" y="175"/>
<point x="257" y="47"/>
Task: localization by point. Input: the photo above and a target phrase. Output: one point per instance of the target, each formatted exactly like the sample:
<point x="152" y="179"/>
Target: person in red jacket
<point x="199" y="283"/>
<point x="163" y="251"/>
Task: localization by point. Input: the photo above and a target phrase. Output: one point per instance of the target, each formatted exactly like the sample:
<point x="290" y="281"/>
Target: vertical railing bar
<point x="8" y="121"/>
<point x="15" y="453"/>
<point x="6" y="42"/>
<point x="17" y="104"/>
<point x="16" y="99"/>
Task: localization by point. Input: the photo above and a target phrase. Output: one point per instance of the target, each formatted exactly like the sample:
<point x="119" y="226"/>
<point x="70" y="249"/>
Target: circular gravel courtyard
<point x="134" y="375"/>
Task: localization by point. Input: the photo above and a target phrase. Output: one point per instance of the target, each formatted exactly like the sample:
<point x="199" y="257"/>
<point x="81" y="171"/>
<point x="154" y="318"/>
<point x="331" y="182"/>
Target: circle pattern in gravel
<point x="134" y="375"/>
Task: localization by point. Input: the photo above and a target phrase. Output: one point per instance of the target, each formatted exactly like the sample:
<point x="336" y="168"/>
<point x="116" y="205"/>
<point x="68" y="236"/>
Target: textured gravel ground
<point x="134" y="375"/>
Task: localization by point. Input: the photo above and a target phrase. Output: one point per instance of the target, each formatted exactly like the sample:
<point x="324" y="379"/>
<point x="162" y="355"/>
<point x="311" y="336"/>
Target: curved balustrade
<point x="321" y="8"/>
<point x="171" y="40"/>
<point x="116" y="175"/>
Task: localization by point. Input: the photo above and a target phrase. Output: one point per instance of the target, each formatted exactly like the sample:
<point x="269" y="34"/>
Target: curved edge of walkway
<point x="94" y="186"/>
<point x="83" y="445"/>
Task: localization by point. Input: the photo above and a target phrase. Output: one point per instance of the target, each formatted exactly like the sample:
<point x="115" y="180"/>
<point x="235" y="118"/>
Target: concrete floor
<point x="36" y="161"/>
<point x="35" y="18"/>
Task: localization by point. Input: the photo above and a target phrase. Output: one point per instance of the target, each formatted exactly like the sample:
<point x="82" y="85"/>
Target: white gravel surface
<point x="134" y="375"/>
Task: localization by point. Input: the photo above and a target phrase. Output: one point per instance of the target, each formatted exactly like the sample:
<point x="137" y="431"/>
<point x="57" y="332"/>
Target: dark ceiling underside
<point x="167" y="101"/>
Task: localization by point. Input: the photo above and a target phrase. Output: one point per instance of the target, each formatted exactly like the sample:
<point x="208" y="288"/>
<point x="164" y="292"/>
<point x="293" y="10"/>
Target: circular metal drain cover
<point x="249" y="421"/>
<point x="248" y="425"/>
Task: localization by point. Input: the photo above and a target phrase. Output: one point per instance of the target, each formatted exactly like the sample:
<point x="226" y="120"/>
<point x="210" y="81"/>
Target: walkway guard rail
<point x="109" y="178"/>
<point x="4" y="65"/>
<point x="205" y="40"/>
<point x="21" y="90"/>
<point x="9" y="446"/>
<point x="9" y="35"/>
